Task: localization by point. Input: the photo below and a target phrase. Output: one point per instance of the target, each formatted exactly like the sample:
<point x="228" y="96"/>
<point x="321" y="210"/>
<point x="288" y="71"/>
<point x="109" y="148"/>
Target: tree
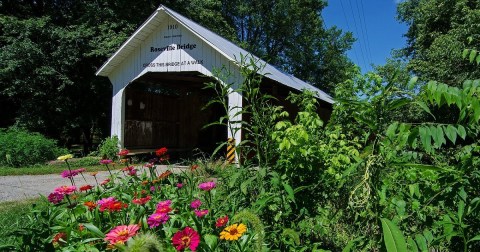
<point x="292" y="36"/>
<point x="438" y="32"/>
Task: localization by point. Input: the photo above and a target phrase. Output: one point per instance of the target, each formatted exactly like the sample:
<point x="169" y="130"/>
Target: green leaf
<point x="94" y="229"/>
<point x="473" y="54"/>
<point x="412" y="245"/>
<point x="424" y="107"/>
<point x="289" y="191"/>
<point x="476" y="238"/>
<point x="412" y="82"/>
<point x="211" y="241"/>
<point x="461" y="131"/>
<point x="425" y="137"/>
<point x="451" y="133"/>
<point x="422" y="242"/>
<point x="393" y="237"/>
<point x="465" y="53"/>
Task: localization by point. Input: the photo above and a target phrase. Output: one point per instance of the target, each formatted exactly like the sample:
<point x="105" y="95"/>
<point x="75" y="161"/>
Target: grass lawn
<point x="44" y="169"/>
<point x="12" y="216"/>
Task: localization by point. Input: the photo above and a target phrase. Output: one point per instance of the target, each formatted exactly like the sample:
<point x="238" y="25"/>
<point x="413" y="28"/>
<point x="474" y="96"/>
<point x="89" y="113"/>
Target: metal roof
<point x="222" y="45"/>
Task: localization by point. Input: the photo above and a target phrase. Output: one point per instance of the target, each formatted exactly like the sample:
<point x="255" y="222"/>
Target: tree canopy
<point x="438" y="32"/>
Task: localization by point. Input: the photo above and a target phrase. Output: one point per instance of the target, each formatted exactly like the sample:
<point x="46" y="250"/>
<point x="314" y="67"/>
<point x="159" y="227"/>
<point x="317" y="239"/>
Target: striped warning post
<point x="231" y="150"/>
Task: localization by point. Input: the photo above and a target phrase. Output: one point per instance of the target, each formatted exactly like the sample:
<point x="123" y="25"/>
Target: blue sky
<point x="374" y="26"/>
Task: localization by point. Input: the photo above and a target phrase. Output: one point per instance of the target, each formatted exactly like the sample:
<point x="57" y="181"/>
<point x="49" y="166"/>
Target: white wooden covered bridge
<point x="158" y="76"/>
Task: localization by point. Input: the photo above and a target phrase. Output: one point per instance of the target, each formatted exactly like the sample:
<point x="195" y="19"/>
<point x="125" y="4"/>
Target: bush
<point x="20" y="147"/>
<point x="108" y="149"/>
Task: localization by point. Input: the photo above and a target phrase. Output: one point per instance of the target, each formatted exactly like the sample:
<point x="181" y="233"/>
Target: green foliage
<point x="109" y="148"/>
<point x="22" y="148"/>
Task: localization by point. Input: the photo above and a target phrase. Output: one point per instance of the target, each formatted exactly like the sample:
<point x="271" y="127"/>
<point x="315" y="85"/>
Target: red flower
<point x="187" y="238"/>
<point x="142" y="201"/>
<point x="60" y="237"/>
<point x="55" y="197"/>
<point x="161" y="152"/>
<point x="105" y="182"/>
<point x="123" y="152"/>
<point x="222" y="221"/>
<point x="85" y="188"/>
<point x="111" y="204"/>
<point x="65" y="190"/>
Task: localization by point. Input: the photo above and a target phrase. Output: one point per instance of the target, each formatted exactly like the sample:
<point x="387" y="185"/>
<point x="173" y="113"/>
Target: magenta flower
<point x="196" y="204"/>
<point x="207" y="186"/>
<point x="164" y="207"/>
<point x="55" y="197"/>
<point x="186" y="238"/>
<point x="156" y="219"/>
<point x="69" y="174"/>
<point x="80" y="170"/>
<point x="179" y="185"/>
<point x="201" y="213"/>
<point x="65" y="190"/>
<point x="105" y="161"/>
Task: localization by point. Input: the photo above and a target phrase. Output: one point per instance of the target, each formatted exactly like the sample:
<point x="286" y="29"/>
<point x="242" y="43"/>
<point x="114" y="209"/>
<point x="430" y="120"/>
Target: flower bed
<point x="138" y="210"/>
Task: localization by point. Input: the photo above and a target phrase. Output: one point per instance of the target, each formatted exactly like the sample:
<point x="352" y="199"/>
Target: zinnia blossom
<point x="90" y="204"/>
<point x="69" y="174"/>
<point x="222" y="221"/>
<point x="80" y="170"/>
<point x="187" y="238"/>
<point x="207" y="186"/>
<point x="194" y="167"/>
<point x="65" y="190"/>
<point x="111" y="204"/>
<point x="179" y="185"/>
<point x="105" y="161"/>
<point x="55" y="197"/>
<point x="120" y="234"/>
<point x="85" y="188"/>
<point x="142" y="201"/>
<point x="123" y="152"/>
<point x="161" y="152"/>
<point x="65" y="157"/>
<point x="196" y="204"/>
<point x="94" y="173"/>
<point x="155" y="219"/>
<point x="164" y="206"/>
<point x="105" y="182"/>
<point x="233" y="232"/>
<point x="201" y="213"/>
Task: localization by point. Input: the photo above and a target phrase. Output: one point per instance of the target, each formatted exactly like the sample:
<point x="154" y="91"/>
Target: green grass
<point x="45" y="169"/>
<point x="13" y="215"/>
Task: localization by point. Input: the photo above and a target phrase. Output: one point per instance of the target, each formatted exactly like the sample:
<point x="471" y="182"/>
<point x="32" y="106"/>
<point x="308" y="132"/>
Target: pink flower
<point x="80" y="170"/>
<point x="105" y="161"/>
<point x="132" y="172"/>
<point x="207" y="186"/>
<point x="105" y="182"/>
<point x="196" y="204"/>
<point x="164" y="207"/>
<point x="155" y="219"/>
<point x="201" y="213"/>
<point x="69" y="174"/>
<point x="179" y="185"/>
<point x="120" y="234"/>
<point x="187" y="238"/>
<point x="55" y="197"/>
<point x="65" y="190"/>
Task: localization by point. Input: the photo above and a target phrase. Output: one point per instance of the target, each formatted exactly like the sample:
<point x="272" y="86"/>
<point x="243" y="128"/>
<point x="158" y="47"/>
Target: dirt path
<point x="13" y="188"/>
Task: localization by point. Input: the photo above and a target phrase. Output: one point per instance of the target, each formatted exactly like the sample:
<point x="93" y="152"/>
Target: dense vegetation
<point x="50" y="50"/>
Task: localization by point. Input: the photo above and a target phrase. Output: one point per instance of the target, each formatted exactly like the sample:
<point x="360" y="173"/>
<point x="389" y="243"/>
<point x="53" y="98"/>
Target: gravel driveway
<point x="13" y="188"/>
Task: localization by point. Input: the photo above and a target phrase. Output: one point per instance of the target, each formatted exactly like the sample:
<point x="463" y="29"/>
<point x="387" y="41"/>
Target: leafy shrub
<point x="108" y="149"/>
<point x="85" y="161"/>
<point x="20" y="147"/>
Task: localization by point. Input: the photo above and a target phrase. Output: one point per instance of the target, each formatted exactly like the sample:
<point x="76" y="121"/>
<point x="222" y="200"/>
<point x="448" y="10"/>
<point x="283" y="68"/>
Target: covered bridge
<point x="158" y="76"/>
